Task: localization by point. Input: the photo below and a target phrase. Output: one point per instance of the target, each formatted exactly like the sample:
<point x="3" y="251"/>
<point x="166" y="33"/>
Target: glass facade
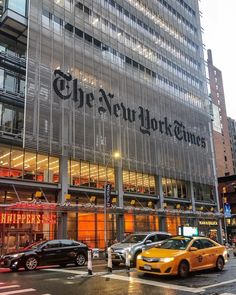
<point x="17" y="6"/>
<point x="119" y="90"/>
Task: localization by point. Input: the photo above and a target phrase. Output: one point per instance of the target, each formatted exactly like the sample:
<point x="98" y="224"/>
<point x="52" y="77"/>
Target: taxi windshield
<point x="133" y="239"/>
<point x="176" y="244"/>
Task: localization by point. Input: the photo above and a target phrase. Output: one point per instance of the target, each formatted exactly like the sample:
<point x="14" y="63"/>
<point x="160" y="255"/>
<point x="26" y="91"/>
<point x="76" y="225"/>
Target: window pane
<point x="42" y="168"/>
<point x="10" y="83"/>
<point x="74" y="173"/>
<point x="93" y="175"/>
<point x="17" y="157"/>
<point x="4" y="161"/>
<point x="84" y="173"/>
<point x="29" y="166"/>
<point x="53" y="175"/>
<point x="17" y="6"/>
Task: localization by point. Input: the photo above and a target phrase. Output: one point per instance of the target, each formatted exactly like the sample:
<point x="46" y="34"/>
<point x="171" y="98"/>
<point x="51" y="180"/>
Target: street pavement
<point x="73" y="280"/>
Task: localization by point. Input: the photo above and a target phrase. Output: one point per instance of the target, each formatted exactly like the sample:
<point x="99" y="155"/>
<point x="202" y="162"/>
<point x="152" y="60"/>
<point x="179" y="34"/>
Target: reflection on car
<point x="181" y="255"/>
<point x="54" y="252"/>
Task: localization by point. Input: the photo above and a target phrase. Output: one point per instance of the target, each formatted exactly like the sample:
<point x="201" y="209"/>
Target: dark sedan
<point x="52" y="252"/>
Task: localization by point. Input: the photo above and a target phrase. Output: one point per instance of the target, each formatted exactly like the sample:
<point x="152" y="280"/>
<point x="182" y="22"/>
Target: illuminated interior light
<point x="16" y="158"/>
<point x="5" y="155"/>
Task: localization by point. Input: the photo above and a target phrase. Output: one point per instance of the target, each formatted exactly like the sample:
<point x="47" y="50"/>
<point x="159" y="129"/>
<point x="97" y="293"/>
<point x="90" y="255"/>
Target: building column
<point x="120" y="203"/>
<point x="62" y="216"/>
<point x="192" y="198"/>
<point x="161" y="219"/>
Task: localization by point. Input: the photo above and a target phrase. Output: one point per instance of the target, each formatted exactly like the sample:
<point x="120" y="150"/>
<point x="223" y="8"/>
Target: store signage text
<point x="208" y="222"/>
<point x="27" y="218"/>
<point x="67" y="88"/>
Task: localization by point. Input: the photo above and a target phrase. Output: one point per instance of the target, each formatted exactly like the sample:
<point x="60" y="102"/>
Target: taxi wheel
<point x="183" y="269"/>
<point x="219" y="264"/>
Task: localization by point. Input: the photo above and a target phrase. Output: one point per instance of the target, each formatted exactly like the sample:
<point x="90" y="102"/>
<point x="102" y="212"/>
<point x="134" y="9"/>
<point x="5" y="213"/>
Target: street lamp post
<point x="115" y="155"/>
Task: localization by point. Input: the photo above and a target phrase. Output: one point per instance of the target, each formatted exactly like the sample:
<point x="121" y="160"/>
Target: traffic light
<point x="224" y="190"/>
<point x="224" y="200"/>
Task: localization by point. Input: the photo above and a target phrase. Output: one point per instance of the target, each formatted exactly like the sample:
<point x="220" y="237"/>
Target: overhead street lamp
<point x="107" y="192"/>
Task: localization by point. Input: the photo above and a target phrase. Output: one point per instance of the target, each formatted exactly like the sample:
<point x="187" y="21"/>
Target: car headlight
<point x="166" y="259"/>
<point x="139" y="256"/>
<point x="18" y="255"/>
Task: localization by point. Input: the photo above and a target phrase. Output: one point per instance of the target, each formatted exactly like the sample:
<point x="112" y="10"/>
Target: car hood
<point x="157" y="252"/>
<point x="19" y="252"/>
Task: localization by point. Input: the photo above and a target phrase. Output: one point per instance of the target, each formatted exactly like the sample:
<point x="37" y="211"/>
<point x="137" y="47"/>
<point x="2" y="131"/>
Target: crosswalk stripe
<point x="154" y="283"/>
<point x="227" y="294"/>
<point x="17" y="291"/>
<point x="76" y="272"/>
<point x="8" y="287"/>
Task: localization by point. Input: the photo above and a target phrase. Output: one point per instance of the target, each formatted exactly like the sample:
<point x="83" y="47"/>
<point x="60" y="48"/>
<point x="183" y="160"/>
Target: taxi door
<point x="199" y="258"/>
<point x="211" y="250"/>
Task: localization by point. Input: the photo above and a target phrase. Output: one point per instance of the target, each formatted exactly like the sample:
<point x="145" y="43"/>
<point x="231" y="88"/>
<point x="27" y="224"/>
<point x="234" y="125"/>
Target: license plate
<point x="147" y="267"/>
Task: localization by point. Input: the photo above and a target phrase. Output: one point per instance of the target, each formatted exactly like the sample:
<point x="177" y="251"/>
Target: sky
<point x="219" y="24"/>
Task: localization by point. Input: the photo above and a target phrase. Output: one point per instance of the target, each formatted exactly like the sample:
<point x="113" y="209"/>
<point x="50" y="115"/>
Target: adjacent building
<point x="232" y="135"/>
<point x="80" y="80"/>
<point x="224" y="162"/>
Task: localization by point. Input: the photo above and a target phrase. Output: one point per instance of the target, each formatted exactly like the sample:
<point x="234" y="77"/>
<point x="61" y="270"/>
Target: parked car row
<point x="151" y="252"/>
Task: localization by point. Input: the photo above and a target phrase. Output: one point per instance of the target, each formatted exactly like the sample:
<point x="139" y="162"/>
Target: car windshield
<point x="133" y="239"/>
<point x="177" y="244"/>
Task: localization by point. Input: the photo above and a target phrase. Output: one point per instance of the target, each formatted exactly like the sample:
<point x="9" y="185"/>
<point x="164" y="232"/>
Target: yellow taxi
<point x="181" y="255"/>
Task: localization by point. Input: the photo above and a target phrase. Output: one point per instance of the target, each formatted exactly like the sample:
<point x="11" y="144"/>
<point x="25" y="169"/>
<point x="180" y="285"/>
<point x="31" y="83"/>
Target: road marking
<point x="8" y="287"/>
<point x="220" y="284"/>
<point x="227" y="294"/>
<point x="76" y="272"/>
<point x="156" y="284"/>
<point x="17" y="291"/>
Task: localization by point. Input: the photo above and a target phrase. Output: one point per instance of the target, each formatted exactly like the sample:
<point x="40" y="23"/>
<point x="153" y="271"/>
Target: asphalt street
<point x="73" y="280"/>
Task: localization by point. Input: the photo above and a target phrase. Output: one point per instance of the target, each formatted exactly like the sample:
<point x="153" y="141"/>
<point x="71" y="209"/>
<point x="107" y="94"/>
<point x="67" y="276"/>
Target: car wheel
<point x="80" y="259"/>
<point x="31" y="263"/>
<point x="183" y="269"/>
<point x="219" y="264"/>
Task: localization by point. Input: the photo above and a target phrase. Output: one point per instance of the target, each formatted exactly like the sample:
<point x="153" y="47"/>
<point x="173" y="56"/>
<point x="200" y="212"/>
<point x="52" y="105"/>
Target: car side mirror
<point x="193" y="249"/>
<point x="148" y="242"/>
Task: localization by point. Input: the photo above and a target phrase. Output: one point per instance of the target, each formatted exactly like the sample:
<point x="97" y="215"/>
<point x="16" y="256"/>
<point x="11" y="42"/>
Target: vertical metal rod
<point x="225" y="225"/>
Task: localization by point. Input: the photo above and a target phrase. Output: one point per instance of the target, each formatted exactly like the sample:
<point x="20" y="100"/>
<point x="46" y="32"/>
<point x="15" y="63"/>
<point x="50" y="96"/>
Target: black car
<point x="51" y="252"/>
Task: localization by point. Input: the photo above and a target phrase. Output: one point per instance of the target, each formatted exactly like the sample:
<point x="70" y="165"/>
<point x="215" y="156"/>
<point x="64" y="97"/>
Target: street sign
<point x="107" y="195"/>
<point x="227" y="210"/>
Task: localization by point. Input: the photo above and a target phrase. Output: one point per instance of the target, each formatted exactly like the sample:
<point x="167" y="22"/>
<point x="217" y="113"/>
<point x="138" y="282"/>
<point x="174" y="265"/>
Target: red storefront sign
<point x="27" y="218"/>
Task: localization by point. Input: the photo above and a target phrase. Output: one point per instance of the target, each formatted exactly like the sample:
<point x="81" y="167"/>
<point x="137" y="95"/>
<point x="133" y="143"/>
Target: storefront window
<point x="102" y="176"/>
<point x="74" y="172"/>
